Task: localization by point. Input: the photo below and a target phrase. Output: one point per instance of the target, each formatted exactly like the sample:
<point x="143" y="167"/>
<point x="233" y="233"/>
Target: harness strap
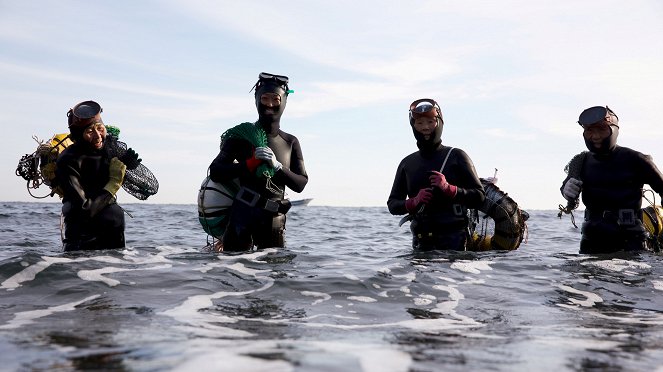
<point x="445" y="159"/>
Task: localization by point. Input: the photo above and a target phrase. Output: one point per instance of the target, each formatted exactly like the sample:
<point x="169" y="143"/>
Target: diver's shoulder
<point x="287" y="136"/>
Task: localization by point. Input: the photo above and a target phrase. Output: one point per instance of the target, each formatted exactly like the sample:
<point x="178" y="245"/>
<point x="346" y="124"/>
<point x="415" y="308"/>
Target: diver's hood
<point x="270" y="122"/>
<point x="608" y="145"/>
<point x="82" y="116"/>
<point x="427" y="108"/>
<point x="597" y="114"/>
<point x="431" y="144"/>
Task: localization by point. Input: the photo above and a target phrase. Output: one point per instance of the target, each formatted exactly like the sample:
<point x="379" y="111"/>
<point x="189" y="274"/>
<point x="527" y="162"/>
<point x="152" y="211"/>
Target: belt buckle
<point x="626" y="217"/>
<point x="271" y="206"/>
<point x="247" y="196"/>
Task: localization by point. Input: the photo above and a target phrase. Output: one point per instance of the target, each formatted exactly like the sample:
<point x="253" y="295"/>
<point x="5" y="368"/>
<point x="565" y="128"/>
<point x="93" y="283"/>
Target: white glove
<point x="571" y="189"/>
<point x="266" y="154"/>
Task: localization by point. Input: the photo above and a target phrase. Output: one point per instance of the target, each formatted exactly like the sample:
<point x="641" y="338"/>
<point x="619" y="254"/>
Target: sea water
<point x="346" y="294"/>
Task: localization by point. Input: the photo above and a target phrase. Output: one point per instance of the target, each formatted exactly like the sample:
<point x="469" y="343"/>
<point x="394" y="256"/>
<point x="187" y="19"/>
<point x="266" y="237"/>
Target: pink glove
<point x="438" y="180"/>
<point x="424" y="196"/>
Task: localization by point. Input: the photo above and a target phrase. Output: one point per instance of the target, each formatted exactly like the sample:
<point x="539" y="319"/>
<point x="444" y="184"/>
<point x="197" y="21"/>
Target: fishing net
<point x="254" y="135"/>
<point x="139" y="181"/>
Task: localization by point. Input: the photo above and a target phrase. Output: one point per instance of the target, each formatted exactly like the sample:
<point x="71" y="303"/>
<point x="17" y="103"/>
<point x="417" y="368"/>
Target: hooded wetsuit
<point x="612" y="194"/>
<point x="92" y="219"/>
<point x="250" y="226"/>
<point x="443" y="223"/>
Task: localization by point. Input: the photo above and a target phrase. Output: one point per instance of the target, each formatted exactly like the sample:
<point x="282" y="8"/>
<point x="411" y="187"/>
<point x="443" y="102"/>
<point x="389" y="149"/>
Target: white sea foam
<point x="658" y="284"/>
<point x="591" y="299"/>
<point x="619" y="265"/>
<point x="362" y="299"/>
<point x="30" y="272"/>
<point x="423" y="301"/>
<point x="334" y="264"/>
<point x="204" y="323"/>
<point x="472" y="267"/>
<point x="352" y="277"/>
<point x="96" y="275"/>
<point x="323" y="296"/>
<point x="410" y="277"/>
<point x="223" y="355"/>
<point x="447" y="279"/>
<point x="27" y="317"/>
<point x="578" y="343"/>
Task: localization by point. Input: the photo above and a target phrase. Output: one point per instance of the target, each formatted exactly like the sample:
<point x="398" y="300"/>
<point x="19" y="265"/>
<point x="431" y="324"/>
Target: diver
<point x="89" y="179"/>
<point x="611" y="180"/>
<point x="440" y="184"/>
<point x="258" y="213"/>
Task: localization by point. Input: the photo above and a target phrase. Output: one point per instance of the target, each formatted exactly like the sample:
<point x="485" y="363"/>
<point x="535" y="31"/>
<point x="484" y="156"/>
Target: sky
<point x="510" y="76"/>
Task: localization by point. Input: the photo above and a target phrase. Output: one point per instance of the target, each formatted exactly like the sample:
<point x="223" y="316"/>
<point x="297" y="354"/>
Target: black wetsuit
<point x="250" y="226"/>
<point x="92" y="219"/>
<point x="612" y="193"/>
<point x="443" y="223"/>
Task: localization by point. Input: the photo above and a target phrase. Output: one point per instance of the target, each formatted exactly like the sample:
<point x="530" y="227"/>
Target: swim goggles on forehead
<point x="84" y="114"/>
<point x="265" y="77"/>
<point x="425" y="107"/>
<point x="596" y="114"/>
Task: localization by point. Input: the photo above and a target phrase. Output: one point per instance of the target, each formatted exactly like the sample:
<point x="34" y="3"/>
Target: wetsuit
<point x="92" y="219"/>
<point x="612" y="194"/>
<point x="256" y="225"/>
<point x="443" y="224"/>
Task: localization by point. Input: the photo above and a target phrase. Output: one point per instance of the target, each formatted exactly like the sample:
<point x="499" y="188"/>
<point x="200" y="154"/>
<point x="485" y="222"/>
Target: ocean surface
<point x="346" y="294"/>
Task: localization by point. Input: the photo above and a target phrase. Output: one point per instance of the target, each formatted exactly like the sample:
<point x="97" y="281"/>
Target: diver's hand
<point x="423" y="197"/>
<point x="252" y="163"/>
<point x="131" y="159"/>
<point x="266" y="154"/>
<point x="438" y="180"/>
<point x="116" y="171"/>
<point x="571" y="189"/>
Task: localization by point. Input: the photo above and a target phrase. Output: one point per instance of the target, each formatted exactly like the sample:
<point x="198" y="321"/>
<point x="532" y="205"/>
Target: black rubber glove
<point x="131" y="159"/>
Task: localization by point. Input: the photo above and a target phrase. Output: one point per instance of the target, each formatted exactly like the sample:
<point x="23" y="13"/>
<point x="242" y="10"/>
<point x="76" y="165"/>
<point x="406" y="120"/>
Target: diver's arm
<point x="295" y="182"/>
<point x="654" y="176"/>
<point x="396" y="201"/>
<point x="296" y="177"/>
<point x="231" y="163"/>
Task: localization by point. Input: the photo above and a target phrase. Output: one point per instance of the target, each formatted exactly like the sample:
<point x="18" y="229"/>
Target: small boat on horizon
<point x="300" y="202"/>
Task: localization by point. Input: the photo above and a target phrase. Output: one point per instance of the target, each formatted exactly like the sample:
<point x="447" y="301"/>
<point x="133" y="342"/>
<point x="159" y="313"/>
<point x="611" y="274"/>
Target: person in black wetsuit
<point x="258" y="213"/>
<point x="611" y="180"/>
<point x="440" y="183"/>
<point x="89" y="179"/>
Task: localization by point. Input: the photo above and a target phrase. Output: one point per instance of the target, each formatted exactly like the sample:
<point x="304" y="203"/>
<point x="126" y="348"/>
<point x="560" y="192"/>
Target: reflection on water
<point x="346" y="294"/>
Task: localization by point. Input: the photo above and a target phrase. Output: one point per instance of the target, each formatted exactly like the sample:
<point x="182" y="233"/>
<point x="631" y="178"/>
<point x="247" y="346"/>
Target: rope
<point x="567" y="210"/>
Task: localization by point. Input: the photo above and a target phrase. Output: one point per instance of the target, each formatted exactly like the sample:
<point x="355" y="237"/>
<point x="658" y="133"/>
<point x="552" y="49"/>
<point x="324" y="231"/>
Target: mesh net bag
<point x="139" y="181"/>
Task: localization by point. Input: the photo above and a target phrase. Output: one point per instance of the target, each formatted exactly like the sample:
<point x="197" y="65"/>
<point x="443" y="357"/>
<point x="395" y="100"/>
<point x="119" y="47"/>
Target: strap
<point x="445" y="159"/>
